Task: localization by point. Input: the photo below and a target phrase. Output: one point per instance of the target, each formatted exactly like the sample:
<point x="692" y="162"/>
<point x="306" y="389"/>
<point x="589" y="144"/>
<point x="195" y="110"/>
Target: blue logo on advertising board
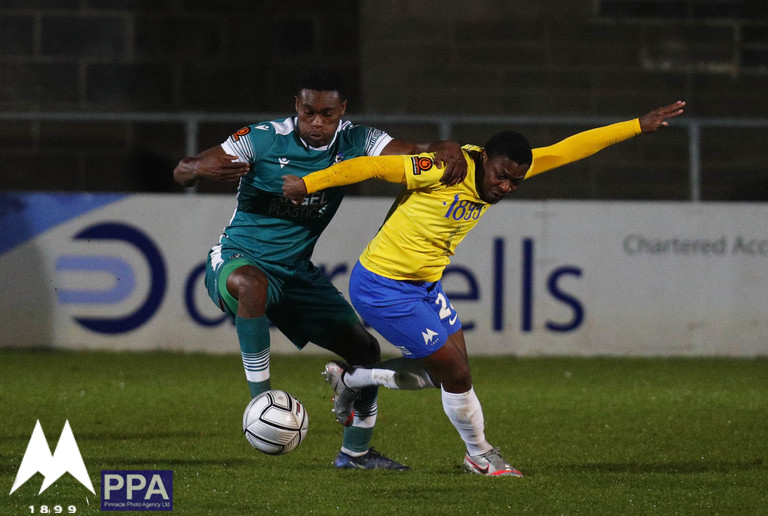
<point x="137" y="490"/>
<point x="123" y="274"/>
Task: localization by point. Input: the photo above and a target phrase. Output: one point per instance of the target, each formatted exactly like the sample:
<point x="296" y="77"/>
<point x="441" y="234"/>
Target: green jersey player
<point x="260" y="270"/>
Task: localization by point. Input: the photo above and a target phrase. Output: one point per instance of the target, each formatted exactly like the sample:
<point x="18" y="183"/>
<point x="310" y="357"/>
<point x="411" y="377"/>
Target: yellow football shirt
<point x="431" y="219"/>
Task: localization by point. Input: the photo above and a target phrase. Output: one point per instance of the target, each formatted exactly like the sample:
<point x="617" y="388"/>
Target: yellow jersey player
<point x="395" y="286"/>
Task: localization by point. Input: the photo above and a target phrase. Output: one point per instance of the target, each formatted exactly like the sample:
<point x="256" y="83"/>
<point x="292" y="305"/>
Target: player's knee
<point x="362" y="348"/>
<point x="453" y="375"/>
<point x="249" y="286"/>
<point x="458" y="379"/>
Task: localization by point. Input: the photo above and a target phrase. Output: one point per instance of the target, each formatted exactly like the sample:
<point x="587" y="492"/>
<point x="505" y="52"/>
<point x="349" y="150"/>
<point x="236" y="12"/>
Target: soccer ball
<point x="275" y="422"/>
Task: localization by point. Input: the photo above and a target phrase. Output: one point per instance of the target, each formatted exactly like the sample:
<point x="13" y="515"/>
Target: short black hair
<point x="510" y="144"/>
<point x="322" y="78"/>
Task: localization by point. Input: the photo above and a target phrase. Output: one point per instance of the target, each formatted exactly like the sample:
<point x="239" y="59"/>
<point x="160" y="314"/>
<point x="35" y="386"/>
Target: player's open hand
<point x="294" y="189"/>
<point x="220" y="167"/>
<point x="452" y="157"/>
<point x="657" y="118"/>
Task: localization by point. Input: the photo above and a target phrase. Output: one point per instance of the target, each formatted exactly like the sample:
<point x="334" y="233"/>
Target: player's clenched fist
<point x="294" y="188"/>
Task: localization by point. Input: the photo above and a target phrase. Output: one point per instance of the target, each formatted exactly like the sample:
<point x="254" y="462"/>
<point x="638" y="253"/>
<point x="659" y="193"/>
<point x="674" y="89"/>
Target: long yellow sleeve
<point x="581" y="145"/>
<point x="386" y="168"/>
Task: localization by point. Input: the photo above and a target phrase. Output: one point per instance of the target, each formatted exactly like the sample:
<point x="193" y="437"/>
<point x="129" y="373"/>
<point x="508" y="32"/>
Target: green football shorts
<point x="302" y="302"/>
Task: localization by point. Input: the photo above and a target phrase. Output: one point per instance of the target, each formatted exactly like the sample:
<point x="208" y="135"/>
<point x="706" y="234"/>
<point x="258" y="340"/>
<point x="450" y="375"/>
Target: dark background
<point x="122" y="66"/>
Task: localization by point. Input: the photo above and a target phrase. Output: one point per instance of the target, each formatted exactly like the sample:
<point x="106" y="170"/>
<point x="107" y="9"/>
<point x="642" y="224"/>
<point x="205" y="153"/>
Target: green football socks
<point x="254" y="348"/>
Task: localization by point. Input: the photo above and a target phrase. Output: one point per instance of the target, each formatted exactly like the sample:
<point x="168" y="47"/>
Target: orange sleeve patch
<point x="421" y="164"/>
<point x="241" y="132"/>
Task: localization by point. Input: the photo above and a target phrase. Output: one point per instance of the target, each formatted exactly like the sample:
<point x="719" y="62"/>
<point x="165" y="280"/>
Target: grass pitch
<point x="592" y="436"/>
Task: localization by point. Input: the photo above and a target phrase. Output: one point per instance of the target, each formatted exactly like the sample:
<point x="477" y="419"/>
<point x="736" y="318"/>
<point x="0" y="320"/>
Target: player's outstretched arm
<point x="587" y="143"/>
<point x="447" y="153"/>
<point x="212" y="164"/>
<point x="386" y="168"/>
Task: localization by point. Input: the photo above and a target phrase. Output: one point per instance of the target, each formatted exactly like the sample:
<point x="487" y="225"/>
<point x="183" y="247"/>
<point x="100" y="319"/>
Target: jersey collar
<point x="324" y="147"/>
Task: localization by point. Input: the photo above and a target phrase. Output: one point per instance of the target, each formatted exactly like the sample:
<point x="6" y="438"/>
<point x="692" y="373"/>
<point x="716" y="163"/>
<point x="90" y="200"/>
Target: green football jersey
<point x="266" y="225"/>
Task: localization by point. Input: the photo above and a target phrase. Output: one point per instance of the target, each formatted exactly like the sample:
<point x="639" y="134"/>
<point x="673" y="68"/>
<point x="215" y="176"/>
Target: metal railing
<point x="444" y="123"/>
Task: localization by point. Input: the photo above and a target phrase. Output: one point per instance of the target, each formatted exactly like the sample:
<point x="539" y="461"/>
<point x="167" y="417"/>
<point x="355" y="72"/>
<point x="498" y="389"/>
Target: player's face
<point x="502" y="177"/>
<point x="319" y="113"/>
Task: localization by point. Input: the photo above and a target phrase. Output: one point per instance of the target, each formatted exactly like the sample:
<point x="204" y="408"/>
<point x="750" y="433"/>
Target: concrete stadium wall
<point x="614" y="58"/>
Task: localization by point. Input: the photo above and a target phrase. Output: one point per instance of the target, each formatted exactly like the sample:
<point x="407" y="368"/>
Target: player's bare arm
<point x="446" y="152"/>
<point x="657" y="118"/>
<point x="212" y="164"/>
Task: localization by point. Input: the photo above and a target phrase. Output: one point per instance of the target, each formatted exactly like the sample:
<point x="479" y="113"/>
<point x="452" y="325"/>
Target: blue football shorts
<point x="415" y="316"/>
<point x="301" y="301"/>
